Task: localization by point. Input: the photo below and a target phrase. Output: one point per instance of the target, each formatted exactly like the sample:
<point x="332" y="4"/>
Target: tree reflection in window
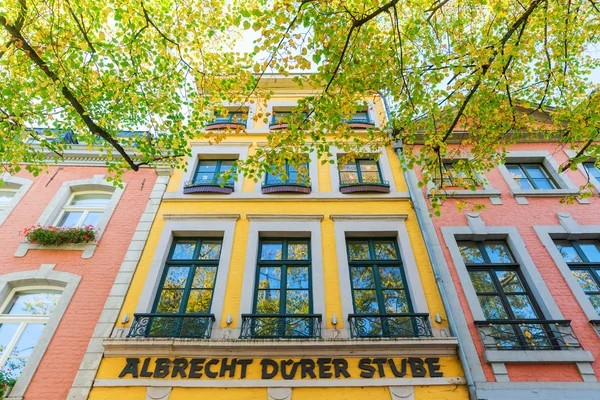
<point x="502" y="292"/>
<point x="21" y="324"/>
<point x="583" y="258"/>
<point x="364" y="171"/>
<point x="283" y="286"/>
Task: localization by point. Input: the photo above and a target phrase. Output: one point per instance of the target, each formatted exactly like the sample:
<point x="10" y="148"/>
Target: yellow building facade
<point x="281" y="288"/>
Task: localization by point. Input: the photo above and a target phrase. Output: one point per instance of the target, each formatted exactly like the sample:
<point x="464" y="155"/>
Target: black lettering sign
<point x="365" y="365"/>
<point x="145" y="373"/>
<point x="196" y="367"/>
<point x="266" y="363"/>
<point x="179" y="367"/>
<point x="434" y="367"/>
<point x="244" y="363"/>
<point x="162" y="367"/>
<point x="130" y="368"/>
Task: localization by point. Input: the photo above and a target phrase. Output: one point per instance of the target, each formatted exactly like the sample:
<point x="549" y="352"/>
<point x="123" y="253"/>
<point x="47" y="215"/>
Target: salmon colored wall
<point x="539" y="211"/>
<point x="57" y="369"/>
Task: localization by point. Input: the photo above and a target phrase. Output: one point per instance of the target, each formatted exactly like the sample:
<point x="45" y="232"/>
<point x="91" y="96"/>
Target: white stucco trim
<point x="307" y="226"/>
<point x="44" y="276"/>
<point x="393" y="225"/>
<point x="569" y="229"/>
<point x="201" y="225"/>
<point x="566" y="185"/>
<point x="21" y="185"/>
<point x="54" y="208"/>
<point x="222" y="151"/>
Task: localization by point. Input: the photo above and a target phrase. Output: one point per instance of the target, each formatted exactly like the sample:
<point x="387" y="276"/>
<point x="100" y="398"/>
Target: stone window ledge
<point x="87" y="248"/>
<point x="492" y="194"/>
<point x="539" y="356"/>
<point x="521" y="194"/>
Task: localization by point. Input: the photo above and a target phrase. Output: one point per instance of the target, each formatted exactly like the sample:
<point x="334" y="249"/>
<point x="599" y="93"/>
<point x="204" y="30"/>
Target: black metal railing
<point x="232" y="118"/>
<point x="389" y="325"/>
<point x="358" y="121"/>
<point x="285" y="326"/>
<point x="528" y="334"/>
<point x="350" y="184"/>
<point x="172" y="325"/>
<point x="209" y="182"/>
<point x="285" y="183"/>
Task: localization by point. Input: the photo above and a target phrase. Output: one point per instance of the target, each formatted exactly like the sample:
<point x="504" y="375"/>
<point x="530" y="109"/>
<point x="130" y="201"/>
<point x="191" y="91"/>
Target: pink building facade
<point x="523" y="275"/>
<point x="53" y="297"/>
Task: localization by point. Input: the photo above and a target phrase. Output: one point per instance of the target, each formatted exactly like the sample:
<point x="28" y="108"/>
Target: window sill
<point x="193" y="189"/>
<point x="226" y="125"/>
<point x="521" y="194"/>
<point x="492" y="194"/>
<point x="276" y="127"/>
<point x="87" y="248"/>
<point x="538" y="356"/>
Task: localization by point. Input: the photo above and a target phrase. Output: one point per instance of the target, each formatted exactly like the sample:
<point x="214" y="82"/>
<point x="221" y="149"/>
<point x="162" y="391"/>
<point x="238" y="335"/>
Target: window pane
<point x="6" y="196"/>
<point x="14" y="366"/>
<point x="91" y="200"/>
<point x="359" y="250"/>
<point x="267" y="302"/>
<point x="170" y="301"/>
<point x="27" y="341"/>
<point x="92" y="219"/>
<point x="544" y="183"/>
<point x="297" y="250"/>
<point x="567" y="251"/>
<point x="492" y="307"/>
<point x="199" y="301"/>
<point x="204" y="177"/>
<point x="184" y="250"/>
<point x="470" y="253"/>
<point x="273" y="177"/>
<point x="371" y="177"/>
<point x="365" y="302"/>
<point x="521" y="306"/>
<point x="176" y="278"/>
<point x="519" y="176"/>
<point x="385" y="250"/>
<point x="362" y="277"/>
<point x="482" y="281"/>
<point x="361" y="115"/>
<point x="498" y="253"/>
<point x="395" y="301"/>
<point x="535" y="171"/>
<point x="368" y="166"/>
<point x="70" y="218"/>
<point x="390" y="277"/>
<point x="226" y="165"/>
<point x="590" y="249"/>
<point x="585" y="280"/>
<point x="207" y="166"/>
<point x="297" y="302"/>
<point x="210" y="250"/>
<point x="40" y="303"/>
<point x="7" y="332"/>
<point x="592" y="170"/>
<point x="348" y="177"/>
<point x="297" y="277"/>
<point x="204" y="277"/>
<point x="510" y="282"/>
<point x="595" y="300"/>
<point x="350" y="167"/>
<point x="269" y="278"/>
<point x="271" y="251"/>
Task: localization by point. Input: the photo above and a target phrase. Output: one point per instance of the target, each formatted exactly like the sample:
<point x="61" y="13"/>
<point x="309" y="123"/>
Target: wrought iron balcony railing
<point x="172" y="325"/>
<point x="366" y="121"/>
<point x="527" y="334"/>
<point x="379" y="183"/>
<point x="231" y="119"/>
<point x="285" y="326"/>
<point x="389" y="325"/>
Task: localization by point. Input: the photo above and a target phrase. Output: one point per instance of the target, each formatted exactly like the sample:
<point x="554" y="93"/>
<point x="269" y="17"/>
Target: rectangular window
<point x="292" y="176"/>
<point x="363" y="171"/>
<point x="531" y="176"/>
<point x="84" y="209"/>
<point x="211" y="172"/>
<point x="183" y="301"/>
<point x="359" y="117"/>
<point x="285" y="117"/>
<point x="583" y="258"/>
<point x="233" y="117"/>
<point x="591" y="168"/>
<point x="283" y="292"/>
<point x="451" y="177"/>
<point x="504" y="297"/>
<point x="382" y="306"/>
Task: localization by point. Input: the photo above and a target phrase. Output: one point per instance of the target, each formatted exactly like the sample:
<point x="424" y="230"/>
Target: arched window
<point x="83" y="208"/>
<point x="23" y="318"/>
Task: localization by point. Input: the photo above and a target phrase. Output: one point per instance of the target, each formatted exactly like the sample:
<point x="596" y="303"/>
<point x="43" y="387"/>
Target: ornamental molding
<point x="285" y="217"/>
<point x="184" y="217"/>
<point x="367" y="217"/>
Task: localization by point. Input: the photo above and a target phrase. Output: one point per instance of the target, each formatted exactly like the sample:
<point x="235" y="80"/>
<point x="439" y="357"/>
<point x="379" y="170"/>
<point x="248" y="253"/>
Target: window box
<point x="58" y="236"/>
<point x="189" y="325"/>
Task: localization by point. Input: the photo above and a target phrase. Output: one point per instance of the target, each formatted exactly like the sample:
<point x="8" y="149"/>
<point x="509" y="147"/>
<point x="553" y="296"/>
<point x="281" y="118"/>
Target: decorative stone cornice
<point x="368" y="217"/>
<point x="180" y="217"/>
<point x="284" y="217"/>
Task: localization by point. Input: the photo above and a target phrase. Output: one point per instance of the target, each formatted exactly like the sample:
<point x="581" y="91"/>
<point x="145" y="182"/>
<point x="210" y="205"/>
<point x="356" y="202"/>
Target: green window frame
<point x="364" y="171"/>
<point x="592" y="169"/>
<point x="209" y="172"/>
<point x="583" y="258"/>
<point x="531" y="176"/>
<point x="452" y="178"/>
<point x="294" y="176"/>
<point x="188" y="281"/>
<point x="278" y="271"/>
<point x="377" y="274"/>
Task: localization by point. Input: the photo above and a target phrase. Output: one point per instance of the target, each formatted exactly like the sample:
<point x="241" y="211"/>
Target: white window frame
<point x="20" y="185"/>
<point x="565" y="184"/>
<point x="22" y="319"/>
<point x="85" y="210"/>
